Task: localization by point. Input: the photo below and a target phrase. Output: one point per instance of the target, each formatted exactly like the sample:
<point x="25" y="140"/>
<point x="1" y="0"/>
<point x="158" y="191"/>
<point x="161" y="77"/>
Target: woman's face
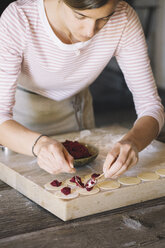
<point x="84" y="24"/>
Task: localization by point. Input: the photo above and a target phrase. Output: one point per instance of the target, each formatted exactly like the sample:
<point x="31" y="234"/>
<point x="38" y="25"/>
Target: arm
<point x="51" y="155"/>
<point x="124" y="154"/>
<point x="133" y="59"/>
<point x="142" y="133"/>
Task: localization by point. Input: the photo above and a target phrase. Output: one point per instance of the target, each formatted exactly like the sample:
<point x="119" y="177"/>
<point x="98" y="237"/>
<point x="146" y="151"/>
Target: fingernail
<point x="71" y="165"/>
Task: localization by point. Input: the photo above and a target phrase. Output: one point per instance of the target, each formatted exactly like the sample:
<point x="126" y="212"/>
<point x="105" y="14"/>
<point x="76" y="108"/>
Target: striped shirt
<point x="32" y="56"/>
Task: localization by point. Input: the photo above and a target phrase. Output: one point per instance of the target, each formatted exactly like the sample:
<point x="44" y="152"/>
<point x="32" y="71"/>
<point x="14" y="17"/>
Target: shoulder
<point x="124" y="7"/>
<point x="19" y="13"/>
<point x="132" y="32"/>
<point x="15" y="19"/>
<point x="123" y="16"/>
<point x="23" y="4"/>
<point x="20" y="8"/>
<point x="124" y="10"/>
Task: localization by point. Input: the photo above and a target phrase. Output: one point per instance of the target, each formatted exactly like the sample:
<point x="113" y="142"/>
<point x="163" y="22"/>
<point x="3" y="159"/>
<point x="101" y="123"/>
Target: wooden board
<point x="22" y="173"/>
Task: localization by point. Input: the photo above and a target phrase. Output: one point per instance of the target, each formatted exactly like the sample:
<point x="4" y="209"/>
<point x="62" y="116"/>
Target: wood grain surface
<point x="25" y="224"/>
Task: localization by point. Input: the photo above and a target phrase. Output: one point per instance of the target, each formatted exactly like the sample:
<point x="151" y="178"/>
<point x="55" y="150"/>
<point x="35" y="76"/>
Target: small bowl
<point x="6" y="151"/>
<point x="84" y="161"/>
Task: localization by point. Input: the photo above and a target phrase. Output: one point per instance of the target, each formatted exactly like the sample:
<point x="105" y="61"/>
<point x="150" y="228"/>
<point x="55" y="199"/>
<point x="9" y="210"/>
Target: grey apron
<point x="50" y="117"/>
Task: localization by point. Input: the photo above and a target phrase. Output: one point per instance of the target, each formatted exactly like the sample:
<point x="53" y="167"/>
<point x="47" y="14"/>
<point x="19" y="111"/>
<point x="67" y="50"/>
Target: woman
<point x="53" y="50"/>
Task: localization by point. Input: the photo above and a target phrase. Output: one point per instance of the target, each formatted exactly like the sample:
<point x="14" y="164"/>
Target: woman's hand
<point x="122" y="157"/>
<point x="125" y="153"/>
<point x="53" y="157"/>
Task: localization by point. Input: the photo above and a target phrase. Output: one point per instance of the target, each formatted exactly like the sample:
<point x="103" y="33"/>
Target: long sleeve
<point x="132" y="57"/>
<point x="12" y="42"/>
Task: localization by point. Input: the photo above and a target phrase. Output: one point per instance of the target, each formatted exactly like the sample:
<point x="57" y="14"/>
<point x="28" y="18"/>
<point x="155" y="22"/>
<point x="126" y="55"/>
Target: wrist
<point x="38" y="143"/>
<point x="131" y="140"/>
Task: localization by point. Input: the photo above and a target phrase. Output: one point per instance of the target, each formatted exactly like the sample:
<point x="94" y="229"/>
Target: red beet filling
<point x="76" y="149"/>
<point x="72" y="180"/>
<point x="66" y="190"/>
<point x="89" y="189"/>
<point x="90" y="184"/>
<point x="56" y="183"/>
<point x="94" y="175"/>
<point x="79" y="182"/>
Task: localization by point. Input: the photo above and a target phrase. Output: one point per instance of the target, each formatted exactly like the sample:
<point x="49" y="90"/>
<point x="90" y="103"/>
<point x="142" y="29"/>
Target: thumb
<point x="110" y="159"/>
<point x="69" y="158"/>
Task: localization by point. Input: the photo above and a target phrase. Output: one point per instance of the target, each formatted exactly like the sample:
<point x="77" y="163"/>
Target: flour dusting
<point x="132" y="223"/>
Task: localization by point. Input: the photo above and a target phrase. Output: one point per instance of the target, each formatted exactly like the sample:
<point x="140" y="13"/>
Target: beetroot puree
<point x="56" y="183"/>
<point x="77" y="180"/>
<point x="76" y="149"/>
<point x="66" y="190"/>
<point x="72" y="180"/>
<point x="94" y="175"/>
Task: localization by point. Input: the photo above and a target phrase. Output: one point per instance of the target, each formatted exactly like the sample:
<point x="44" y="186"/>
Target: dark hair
<point x="85" y="4"/>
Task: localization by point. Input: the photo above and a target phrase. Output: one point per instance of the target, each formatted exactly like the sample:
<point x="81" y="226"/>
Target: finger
<point x="54" y="161"/>
<point x="60" y="159"/>
<point x="48" y="160"/>
<point x="68" y="170"/>
<point x="124" y="168"/>
<point x="116" y="166"/>
<point x="50" y="163"/>
<point x="131" y="161"/>
<point x="113" y="169"/>
<point x="68" y="158"/>
<point x="52" y="170"/>
<point x="111" y="157"/>
<point x="65" y="167"/>
<point x="121" y="160"/>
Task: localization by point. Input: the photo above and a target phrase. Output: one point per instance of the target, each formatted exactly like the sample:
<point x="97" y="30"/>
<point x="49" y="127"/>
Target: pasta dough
<point x="48" y="186"/>
<point x="88" y="176"/>
<point x="160" y="172"/>
<point x="148" y="176"/>
<point x="82" y="191"/>
<point x="107" y="185"/>
<point x="70" y="184"/>
<point x="129" y="180"/>
<point x="60" y="195"/>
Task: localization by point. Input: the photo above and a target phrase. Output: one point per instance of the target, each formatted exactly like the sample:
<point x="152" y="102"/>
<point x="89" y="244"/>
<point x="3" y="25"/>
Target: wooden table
<point x="24" y="224"/>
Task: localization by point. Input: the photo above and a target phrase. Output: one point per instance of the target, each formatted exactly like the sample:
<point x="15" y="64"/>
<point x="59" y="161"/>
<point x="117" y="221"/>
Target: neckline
<point x="59" y="43"/>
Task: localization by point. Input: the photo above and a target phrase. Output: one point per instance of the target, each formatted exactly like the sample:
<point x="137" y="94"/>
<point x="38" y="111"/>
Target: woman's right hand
<point x="53" y="157"/>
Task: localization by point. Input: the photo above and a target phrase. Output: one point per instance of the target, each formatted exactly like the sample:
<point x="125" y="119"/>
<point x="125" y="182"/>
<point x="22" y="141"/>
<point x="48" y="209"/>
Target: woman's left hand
<point x="122" y="156"/>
